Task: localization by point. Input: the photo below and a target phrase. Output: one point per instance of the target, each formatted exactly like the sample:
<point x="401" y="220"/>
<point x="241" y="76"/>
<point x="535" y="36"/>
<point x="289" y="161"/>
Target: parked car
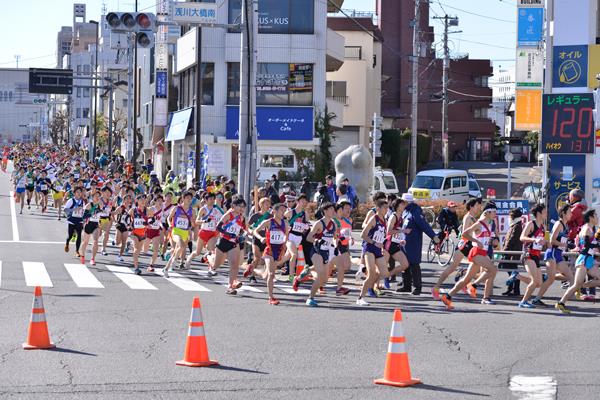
<point x="532" y="193"/>
<point x="385" y="181"/>
<point x="446" y="184"/>
<point x="474" y="188"/>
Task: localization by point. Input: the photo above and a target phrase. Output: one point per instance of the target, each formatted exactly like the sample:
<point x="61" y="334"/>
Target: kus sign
<point x="275" y="123"/>
<point x="530" y="3"/>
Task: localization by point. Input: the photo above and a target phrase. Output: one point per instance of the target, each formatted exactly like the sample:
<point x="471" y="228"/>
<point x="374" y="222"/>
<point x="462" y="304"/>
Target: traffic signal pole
<point x="129" y="95"/>
<point x="415" y="91"/>
<point x="199" y="95"/>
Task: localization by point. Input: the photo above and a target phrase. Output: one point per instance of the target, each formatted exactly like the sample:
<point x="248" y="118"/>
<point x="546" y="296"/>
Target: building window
<point x="276" y="161"/>
<point x="187" y="93"/>
<point x="86" y="92"/>
<point x="276" y="84"/>
<point x="125" y="104"/>
<point x="279" y="16"/>
<point x="85" y="113"/>
<point x="480" y="113"/>
<point x="353" y="52"/>
<point x="78" y="92"/>
<point x="336" y="90"/>
<point x="78" y="113"/>
<point x="481" y="81"/>
<point x="86" y="69"/>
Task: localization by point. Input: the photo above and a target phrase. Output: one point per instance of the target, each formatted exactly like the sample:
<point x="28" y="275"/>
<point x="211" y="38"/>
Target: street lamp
<point x="93" y="154"/>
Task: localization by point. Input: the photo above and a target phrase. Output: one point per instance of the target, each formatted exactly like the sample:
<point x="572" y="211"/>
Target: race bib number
<point x="77" y="212"/>
<point x="58" y="188"/>
<point x="326" y="243"/>
<point x="485" y="241"/>
<point x="537" y="246"/>
<point x="43" y="187"/>
<point x="234" y="229"/>
<point x="346" y="232"/>
<point x="182" y="223"/>
<point x="208" y="226"/>
<point x="398" y="237"/>
<point x="95" y="218"/>
<point x="138" y="223"/>
<point x="76" y="176"/>
<point x="564" y="240"/>
<point x="299" y="227"/>
<point x="277" y="237"/>
<point x="155" y="225"/>
<point x="379" y="236"/>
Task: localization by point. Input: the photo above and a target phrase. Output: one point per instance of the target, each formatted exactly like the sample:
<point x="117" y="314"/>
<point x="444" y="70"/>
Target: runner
<point x="587" y="239"/>
<point x="396" y="239"/>
<point x="276" y="231"/>
<point x="123" y="225"/>
<point x="74" y="213"/>
<point x="106" y="209"/>
<point x="44" y="183"/>
<point x="299" y="228"/>
<point x="20" y="182"/>
<point x="91" y="215"/>
<point x="154" y="231"/>
<point x="30" y="181"/>
<point x="481" y="234"/>
<point x="533" y="239"/>
<point x="181" y="220"/>
<point x="464" y="246"/>
<point x="139" y="215"/>
<point x="58" y="194"/>
<point x="230" y="228"/>
<point x="208" y="217"/>
<point x="258" y="248"/>
<point x="342" y="261"/>
<point x="322" y="235"/>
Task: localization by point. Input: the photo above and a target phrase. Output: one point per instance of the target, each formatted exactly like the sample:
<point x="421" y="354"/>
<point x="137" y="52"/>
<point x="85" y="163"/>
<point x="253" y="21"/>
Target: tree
<point x="532" y="138"/>
<point x="324" y="131"/>
<point x="58" y="127"/>
<point x="306" y="160"/>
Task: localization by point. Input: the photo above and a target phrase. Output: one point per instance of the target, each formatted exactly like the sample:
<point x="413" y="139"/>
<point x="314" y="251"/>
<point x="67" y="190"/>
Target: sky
<point x="29" y="27"/>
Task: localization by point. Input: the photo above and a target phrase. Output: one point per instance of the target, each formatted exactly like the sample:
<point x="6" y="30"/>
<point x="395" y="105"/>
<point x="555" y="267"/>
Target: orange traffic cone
<point x="300" y="262"/>
<point x="196" y="351"/>
<point x="37" y="335"/>
<point x="397" y="368"/>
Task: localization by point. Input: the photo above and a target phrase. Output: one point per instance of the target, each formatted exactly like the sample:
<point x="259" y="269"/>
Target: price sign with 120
<point x="568" y="123"/>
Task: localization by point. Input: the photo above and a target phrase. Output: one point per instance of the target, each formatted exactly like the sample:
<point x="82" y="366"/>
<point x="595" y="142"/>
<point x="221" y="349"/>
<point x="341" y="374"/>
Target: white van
<point x="385" y="182"/>
<point x="444" y="184"/>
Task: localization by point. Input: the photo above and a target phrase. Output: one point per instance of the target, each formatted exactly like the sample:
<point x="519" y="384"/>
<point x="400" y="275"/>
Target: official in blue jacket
<point x="413" y="219"/>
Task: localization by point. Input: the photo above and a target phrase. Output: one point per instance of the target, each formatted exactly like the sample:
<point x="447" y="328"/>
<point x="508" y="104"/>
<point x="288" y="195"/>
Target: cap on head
<point x="408" y="197"/>
<point x="451" y="204"/>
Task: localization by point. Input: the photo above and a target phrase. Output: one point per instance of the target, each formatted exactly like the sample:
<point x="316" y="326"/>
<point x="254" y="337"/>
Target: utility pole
<point x="199" y="95"/>
<point x="247" y="128"/>
<point x="135" y="98"/>
<point x="110" y="120"/>
<point x="130" y="89"/>
<point x="448" y="21"/>
<point x="415" y="91"/>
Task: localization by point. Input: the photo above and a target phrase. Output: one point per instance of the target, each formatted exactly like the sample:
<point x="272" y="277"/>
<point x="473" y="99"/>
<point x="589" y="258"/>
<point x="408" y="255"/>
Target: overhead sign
<point x="568" y="124"/>
<point x="529" y="69"/>
<point x="570" y="66"/>
<point x="162" y="84"/>
<point x="57" y="81"/>
<point x="503" y="210"/>
<point x="194" y="13"/>
<point x="275" y="123"/>
<point x="567" y="172"/>
<point x="528" y="113"/>
<point x="530" y="22"/>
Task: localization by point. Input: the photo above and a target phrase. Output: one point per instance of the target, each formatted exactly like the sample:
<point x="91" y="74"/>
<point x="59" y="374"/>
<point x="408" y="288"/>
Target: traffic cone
<point x="37" y="334"/>
<point x="397" y="368"/>
<point x="196" y="351"/>
<point x="300" y="262"/>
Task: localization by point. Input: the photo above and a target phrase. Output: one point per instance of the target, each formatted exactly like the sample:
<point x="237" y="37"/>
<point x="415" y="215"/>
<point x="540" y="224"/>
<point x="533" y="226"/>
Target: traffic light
<point x="142" y="24"/>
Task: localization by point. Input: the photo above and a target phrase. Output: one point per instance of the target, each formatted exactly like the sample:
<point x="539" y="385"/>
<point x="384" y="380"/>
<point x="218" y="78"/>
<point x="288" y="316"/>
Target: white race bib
<point x="77" y="212"/>
<point x="43" y="187"/>
<point x="95" y="217"/>
<point x="233" y="229"/>
<point x="537" y="246"/>
<point x="155" y="225"/>
<point x="327" y="243"/>
<point x="277" y="237"/>
<point x="398" y="237"/>
<point x="209" y="226"/>
<point x="182" y="223"/>
<point x="346" y="232"/>
<point x="485" y="240"/>
<point x="379" y="236"/>
<point x="138" y="223"/>
<point x="299" y="227"/>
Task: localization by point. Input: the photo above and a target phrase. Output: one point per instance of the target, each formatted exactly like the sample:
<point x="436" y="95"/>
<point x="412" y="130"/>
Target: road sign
<point x="509" y="157"/>
<point x="194" y="13"/>
<point x="568" y="124"/>
<point x="57" y="81"/>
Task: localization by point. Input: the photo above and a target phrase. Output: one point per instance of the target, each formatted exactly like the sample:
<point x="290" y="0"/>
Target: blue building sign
<point x="530" y="26"/>
<point x="275" y="123"/>
<point x="567" y="172"/>
<point x="161" y="84"/>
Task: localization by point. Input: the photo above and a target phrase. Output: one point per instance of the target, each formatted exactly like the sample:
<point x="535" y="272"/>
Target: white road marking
<point x="130" y="279"/>
<point x="13" y="217"/>
<point x="182" y="282"/>
<point x="30" y="242"/>
<point x="36" y="274"/>
<point x="290" y="290"/>
<point x="83" y="277"/>
<point x="225" y="282"/>
<point x="533" y="387"/>
<point x="0" y="273"/>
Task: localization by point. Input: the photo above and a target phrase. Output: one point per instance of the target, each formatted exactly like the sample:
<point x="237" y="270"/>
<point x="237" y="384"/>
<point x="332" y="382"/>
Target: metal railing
<point x="339" y="99"/>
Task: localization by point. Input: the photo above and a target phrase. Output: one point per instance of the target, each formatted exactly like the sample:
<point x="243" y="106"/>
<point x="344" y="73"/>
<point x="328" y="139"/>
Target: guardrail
<point x="518" y="261"/>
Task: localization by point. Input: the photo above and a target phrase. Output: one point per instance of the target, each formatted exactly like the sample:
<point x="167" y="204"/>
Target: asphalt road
<point x="119" y="342"/>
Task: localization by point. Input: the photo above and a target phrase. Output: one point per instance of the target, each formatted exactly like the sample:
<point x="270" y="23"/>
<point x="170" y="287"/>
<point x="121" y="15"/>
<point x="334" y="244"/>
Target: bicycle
<point x="444" y="251"/>
<point x="429" y="216"/>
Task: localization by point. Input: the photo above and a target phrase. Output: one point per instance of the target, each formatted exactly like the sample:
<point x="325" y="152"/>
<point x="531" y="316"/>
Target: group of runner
<point x="165" y="221"/>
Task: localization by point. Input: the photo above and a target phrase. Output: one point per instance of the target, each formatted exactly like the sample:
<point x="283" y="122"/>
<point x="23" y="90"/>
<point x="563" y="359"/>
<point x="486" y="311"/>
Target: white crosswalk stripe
<point x="0" y="273"/>
<point x="288" y="289"/>
<point x="36" y="274"/>
<point x="182" y="282"/>
<point x="130" y="278"/>
<point x="82" y="276"/>
<point x="225" y="282"/>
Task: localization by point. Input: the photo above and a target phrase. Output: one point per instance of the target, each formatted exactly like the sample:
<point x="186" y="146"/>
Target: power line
<point x="469" y="95"/>
<point x="478" y="15"/>
<point x="486" y="44"/>
<point x="29" y="59"/>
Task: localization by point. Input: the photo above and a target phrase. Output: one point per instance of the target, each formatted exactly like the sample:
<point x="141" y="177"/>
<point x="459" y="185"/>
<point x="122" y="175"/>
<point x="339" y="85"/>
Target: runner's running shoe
<point x="273" y="301"/>
<point x="526" y="304"/>
<point x="361" y="302"/>
<point x="312" y="303"/>
<point x="386" y="283"/>
<point x="92" y="262"/>
<point x="138" y="271"/>
<point x="342" y="291"/>
<point x="231" y="291"/>
<point x="165" y="272"/>
<point x="447" y="300"/>
<point x="488" y="302"/>
<point x="435" y="293"/>
<point x="539" y="302"/>
<point x="372" y="293"/>
<point x="562" y="308"/>
<point x="472" y="290"/>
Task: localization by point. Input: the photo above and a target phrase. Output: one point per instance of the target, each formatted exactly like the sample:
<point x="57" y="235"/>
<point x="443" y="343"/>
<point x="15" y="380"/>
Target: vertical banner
<point x="204" y="168"/>
<point x="161" y="62"/>
<point x="530" y="26"/>
<point x="528" y="113"/>
<point x="567" y="172"/>
<point x="529" y="70"/>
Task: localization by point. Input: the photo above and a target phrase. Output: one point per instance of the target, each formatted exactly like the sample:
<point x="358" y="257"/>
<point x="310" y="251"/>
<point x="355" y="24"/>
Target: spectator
<point x="448" y="219"/>
<point x="351" y="193"/>
<point x="231" y="186"/>
<point x="271" y="192"/>
<point x="305" y="188"/>
<point x="275" y="182"/>
<point x="512" y="242"/>
<point x="413" y="220"/>
<point x="342" y="194"/>
<point x="578" y="207"/>
<point x="149" y="165"/>
<point x="322" y="197"/>
<point x="331" y="189"/>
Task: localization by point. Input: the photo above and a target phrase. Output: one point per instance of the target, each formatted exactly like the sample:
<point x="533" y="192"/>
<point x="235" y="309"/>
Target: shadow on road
<point x="81" y="353"/>
<point x="448" y="390"/>
<point x="235" y="369"/>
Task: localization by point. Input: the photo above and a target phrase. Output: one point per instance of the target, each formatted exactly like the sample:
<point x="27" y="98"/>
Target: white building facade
<point x="503" y="94"/>
<point x="293" y="55"/>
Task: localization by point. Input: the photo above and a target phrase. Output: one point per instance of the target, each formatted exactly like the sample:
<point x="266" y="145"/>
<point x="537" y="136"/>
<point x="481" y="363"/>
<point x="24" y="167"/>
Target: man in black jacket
<point x="512" y="242"/>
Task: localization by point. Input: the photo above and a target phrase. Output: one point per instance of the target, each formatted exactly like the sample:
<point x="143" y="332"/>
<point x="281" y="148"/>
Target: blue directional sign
<point x="530" y="23"/>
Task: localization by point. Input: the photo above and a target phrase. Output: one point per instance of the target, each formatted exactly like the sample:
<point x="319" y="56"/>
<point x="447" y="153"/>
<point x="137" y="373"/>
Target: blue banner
<point x="204" y="167"/>
<point x="530" y="26"/>
<point x="161" y="84"/>
<point x="570" y="66"/>
<point x="567" y="172"/>
<point x="275" y="123"/>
